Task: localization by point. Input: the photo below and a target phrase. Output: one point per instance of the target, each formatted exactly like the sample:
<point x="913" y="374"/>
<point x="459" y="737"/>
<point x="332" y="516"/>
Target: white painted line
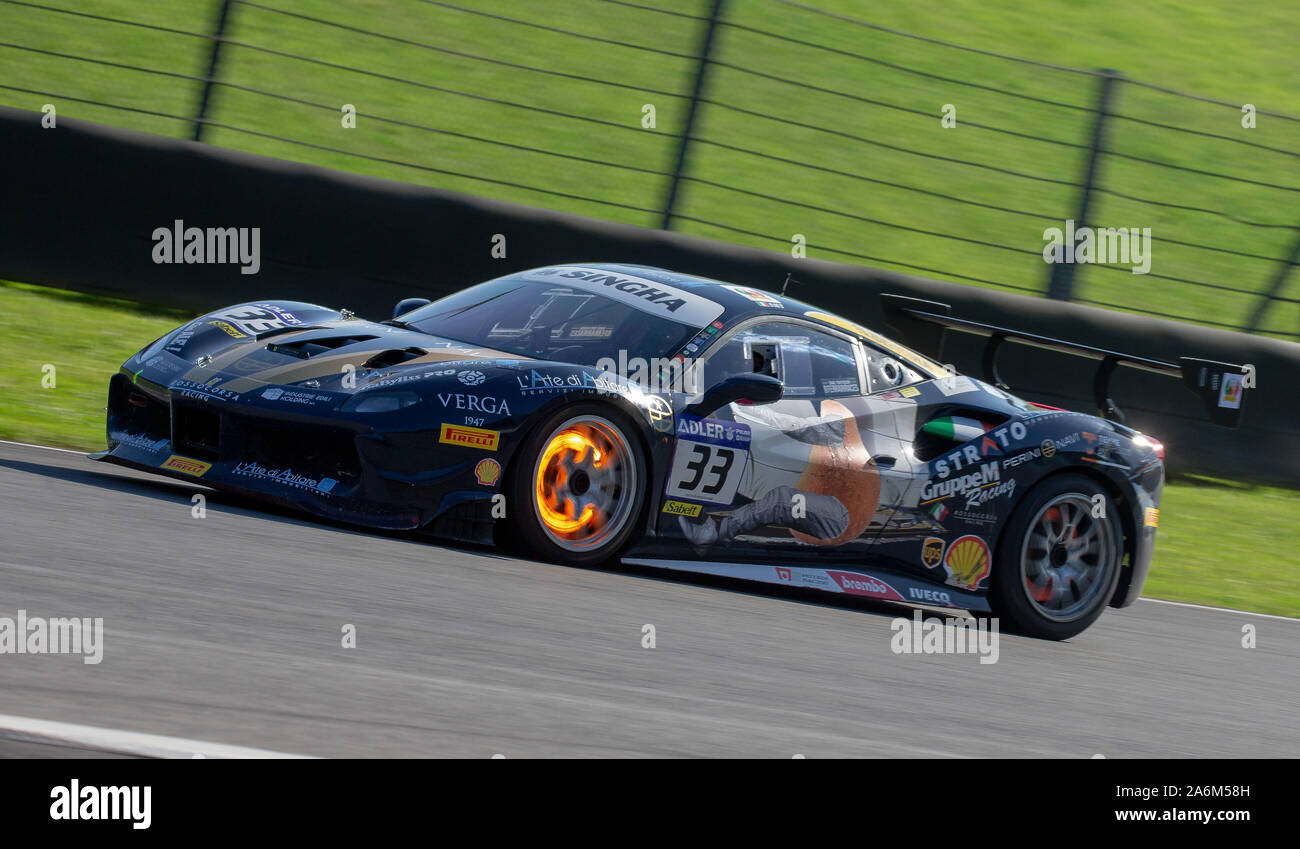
<point x="122" y="742"/>
<point x="46" y="447"/>
<point x="1220" y="609"/>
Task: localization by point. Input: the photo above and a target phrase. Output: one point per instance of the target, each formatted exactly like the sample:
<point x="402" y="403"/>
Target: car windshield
<point x="550" y="321"/>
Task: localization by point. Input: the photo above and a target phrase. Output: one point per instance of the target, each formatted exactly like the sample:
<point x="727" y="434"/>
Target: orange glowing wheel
<point x="585" y="485"/>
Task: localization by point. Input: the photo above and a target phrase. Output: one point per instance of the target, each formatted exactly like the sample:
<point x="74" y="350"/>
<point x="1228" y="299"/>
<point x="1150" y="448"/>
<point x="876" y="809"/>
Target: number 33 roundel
<point x="709" y="461"/>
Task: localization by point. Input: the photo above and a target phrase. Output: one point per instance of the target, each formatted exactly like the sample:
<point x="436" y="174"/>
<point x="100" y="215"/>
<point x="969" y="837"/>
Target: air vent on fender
<point x="953" y="427"/>
<point x="393" y="357"/>
<point x="314" y="347"/>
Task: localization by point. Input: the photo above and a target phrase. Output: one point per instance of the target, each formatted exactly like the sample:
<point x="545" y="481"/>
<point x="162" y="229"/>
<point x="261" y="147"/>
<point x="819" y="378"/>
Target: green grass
<point x="1219" y="544"/>
<point x="85" y="339"/>
<point x="1238" y="54"/>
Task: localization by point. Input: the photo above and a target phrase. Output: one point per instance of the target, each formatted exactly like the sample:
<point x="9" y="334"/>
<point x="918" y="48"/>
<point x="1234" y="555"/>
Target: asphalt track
<point x="227" y="629"/>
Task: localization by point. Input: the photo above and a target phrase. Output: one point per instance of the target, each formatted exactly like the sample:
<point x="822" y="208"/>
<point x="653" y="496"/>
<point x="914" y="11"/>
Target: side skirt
<point x="850" y="582"/>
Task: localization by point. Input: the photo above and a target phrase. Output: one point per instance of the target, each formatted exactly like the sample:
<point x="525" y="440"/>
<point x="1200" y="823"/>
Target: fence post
<point x="1266" y="299"/>
<point x="1060" y="284"/>
<point x="701" y="73"/>
<point x="214" y="61"/>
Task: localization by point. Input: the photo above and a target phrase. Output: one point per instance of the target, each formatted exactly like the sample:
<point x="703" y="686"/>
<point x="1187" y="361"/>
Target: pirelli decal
<point x="186" y="465"/>
<point x="470" y="437"/>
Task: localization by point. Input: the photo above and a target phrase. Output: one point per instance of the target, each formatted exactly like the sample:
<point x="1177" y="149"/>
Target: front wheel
<point x="1059" y="559"/>
<point x="577" y="490"/>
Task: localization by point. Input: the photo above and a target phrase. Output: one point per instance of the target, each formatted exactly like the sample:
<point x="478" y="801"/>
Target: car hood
<point x="325" y="349"/>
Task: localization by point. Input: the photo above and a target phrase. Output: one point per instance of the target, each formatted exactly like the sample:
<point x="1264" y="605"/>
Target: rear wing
<point x="921" y="325"/>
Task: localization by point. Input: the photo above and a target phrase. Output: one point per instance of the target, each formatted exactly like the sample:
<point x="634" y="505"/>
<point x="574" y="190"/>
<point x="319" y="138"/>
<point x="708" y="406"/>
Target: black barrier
<point x="82" y="202"/>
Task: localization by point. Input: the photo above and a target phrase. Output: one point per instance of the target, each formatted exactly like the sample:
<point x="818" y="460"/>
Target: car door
<point x="798" y="470"/>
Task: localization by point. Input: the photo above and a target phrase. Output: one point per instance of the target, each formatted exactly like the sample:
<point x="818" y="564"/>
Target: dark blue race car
<point x="600" y="411"/>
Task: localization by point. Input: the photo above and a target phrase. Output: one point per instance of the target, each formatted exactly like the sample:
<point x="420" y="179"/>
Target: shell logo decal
<point x="487" y="472"/>
<point x="967" y="562"/>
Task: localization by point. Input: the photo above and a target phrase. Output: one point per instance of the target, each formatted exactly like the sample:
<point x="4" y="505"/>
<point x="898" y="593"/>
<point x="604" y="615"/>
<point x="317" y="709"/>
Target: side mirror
<point x="409" y="304"/>
<point x="754" y="388"/>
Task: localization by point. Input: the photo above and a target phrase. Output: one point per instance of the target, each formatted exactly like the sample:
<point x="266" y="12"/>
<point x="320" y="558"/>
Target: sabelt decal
<point x="932" y="552"/>
<point x="470" y="437"/>
<point x="487" y="472"/>
<point x="1152" y="518"/>
<point x="681" y="508"/>
<point x="186" y="465"/>
<point x="638" y="292"/>
<point x="228" y="329"/>
<point x="856" y="583"/>
<point x="967" y="562"/>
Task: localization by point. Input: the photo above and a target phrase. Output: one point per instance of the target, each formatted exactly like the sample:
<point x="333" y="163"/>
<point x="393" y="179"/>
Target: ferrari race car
<point x="601" y="411"/>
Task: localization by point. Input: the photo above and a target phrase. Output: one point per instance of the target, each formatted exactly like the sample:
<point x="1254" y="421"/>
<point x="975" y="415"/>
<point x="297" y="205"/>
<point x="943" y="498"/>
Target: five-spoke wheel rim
<point x="1067" y="555"/>
<point x="584" y="483"/>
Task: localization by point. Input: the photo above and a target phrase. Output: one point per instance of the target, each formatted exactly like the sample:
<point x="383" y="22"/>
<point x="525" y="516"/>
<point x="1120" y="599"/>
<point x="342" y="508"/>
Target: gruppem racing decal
<point x="639" y="292"/>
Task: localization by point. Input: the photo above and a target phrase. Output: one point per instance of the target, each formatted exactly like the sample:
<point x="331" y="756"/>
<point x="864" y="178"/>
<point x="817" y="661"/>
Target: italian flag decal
<point x="956" y="428"/>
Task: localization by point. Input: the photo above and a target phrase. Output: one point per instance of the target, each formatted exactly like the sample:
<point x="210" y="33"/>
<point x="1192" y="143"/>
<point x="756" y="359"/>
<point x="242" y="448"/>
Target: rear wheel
<point x="577" y="489"/>
<point x="1059" y="559"/>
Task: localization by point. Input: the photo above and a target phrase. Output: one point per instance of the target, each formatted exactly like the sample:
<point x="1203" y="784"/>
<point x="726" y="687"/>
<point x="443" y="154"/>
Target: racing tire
<point x="577" y="489"/>
<point x="1058" y="563"/>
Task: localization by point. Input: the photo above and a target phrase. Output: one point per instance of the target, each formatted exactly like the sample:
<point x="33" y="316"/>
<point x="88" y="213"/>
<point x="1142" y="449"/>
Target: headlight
<point x="380" y="402"/>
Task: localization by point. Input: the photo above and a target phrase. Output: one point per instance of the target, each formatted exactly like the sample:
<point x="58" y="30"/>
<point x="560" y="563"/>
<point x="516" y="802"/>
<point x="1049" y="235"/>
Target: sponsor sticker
<point x="932" y="552"/>
<point x="709" y="460"/>
<point x="763" y="299"/>
<point x="471" y="378"/>
<point x="253" y="319"/>
<point x="660" y="412"/>
<point x="681" y="508"/>
<point x="470" y="437"/>
<point x="956" y="384"/>
<point x="203" y="391"/>
<point x="641" y="293"/>
<point x="856" y="583"/>
<point x="286" y="477"/>
<point x="487" y="472"/>
<point x="1152" y="517"/>
<point x="967" y="562"/>
<point x="1230" y="391"/>
<point x="228" y="329"/>
<point x="1048" y="448"/>
<point x="474" y="403"/>
<point x="291" y="396"/>
<point x="186" y="465"/>
<point x="840" y="386"/>
<point x="540" y="382"/>
<point x="930" y="596"/>
<point x="909" y="392"/>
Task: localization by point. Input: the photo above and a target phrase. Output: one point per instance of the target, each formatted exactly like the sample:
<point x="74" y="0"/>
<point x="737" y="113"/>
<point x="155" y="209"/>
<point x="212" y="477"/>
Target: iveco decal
<point x="644" y="294"/>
